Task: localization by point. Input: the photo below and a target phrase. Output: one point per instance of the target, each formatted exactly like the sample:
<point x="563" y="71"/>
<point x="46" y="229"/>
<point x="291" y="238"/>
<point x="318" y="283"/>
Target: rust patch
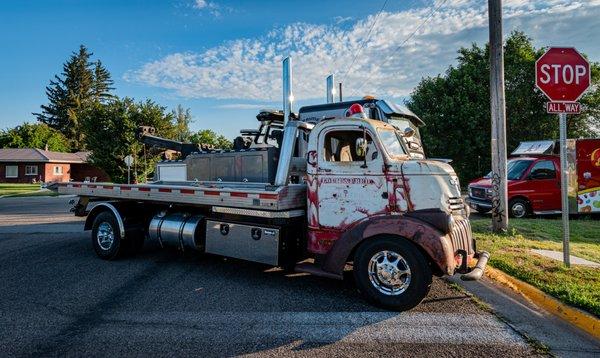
<point x="437" y="245"/>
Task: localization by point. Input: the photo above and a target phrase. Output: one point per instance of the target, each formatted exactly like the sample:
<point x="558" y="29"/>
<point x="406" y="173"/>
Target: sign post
<point x="564" y="188"/>
<point x="129" y="162"/>
<point x="563" y="75"/>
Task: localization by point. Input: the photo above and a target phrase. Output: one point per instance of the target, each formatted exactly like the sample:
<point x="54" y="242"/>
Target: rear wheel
<point x="518" y="208"/>
<point x="106" y="236"/>
<point x="392" y="273"/>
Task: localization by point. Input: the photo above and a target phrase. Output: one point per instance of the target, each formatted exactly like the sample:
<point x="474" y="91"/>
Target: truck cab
<point x="383" y="110"/>
<point x="533" y="174"/>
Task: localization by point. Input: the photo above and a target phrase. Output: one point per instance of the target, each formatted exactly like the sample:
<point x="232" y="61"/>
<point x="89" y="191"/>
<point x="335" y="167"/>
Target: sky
<point x="222" y="58"/>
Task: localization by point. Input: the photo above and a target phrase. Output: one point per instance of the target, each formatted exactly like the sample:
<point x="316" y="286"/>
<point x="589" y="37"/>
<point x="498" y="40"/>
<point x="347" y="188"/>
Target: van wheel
<point x="518" y="208"/>
<point x="392" y="273"/>
<point x="106" y="238"/>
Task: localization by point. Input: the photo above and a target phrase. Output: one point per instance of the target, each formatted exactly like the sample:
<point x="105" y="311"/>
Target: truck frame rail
<point x="257" y="196"/>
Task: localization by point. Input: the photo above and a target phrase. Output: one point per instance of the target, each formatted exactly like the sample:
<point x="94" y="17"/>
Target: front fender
<point x="437" y="245"/>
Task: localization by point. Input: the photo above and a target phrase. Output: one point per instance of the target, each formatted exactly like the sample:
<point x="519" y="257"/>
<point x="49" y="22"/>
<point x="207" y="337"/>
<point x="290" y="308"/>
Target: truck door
<point x="348" y="188"/>
<point x="546" y="195"/>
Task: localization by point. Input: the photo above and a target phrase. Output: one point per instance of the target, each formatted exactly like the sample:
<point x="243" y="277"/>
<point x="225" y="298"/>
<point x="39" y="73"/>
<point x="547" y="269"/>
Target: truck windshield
<point x="391" y="142"/>
<point x="413" y="143"/>
<point x="514" y="169"/>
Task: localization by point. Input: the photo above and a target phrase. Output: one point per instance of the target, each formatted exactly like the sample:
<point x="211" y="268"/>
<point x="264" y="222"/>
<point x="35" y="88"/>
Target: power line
<point x="433" y="11"/>
<point x="365" y="41"/>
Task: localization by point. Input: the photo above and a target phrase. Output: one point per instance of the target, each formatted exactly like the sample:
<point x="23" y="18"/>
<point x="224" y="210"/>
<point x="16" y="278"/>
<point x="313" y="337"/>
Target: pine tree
<point x="102" y="83"/>
<point x="80" y="84"/>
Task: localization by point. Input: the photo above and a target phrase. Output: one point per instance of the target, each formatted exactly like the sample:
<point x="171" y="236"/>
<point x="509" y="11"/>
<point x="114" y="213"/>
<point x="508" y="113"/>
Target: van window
<point x="340" y="146"/>
<point x="543" y="169"/>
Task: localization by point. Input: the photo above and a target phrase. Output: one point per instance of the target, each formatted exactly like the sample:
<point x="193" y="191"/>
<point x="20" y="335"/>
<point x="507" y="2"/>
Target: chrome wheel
<point x="105" y="236"/>
<point x="389" y="273"/>
<point x="519" y="210"/>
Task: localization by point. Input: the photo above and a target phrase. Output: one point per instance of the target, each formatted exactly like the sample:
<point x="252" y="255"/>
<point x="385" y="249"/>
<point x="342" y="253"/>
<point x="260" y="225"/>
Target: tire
<point x="518" y="208"/>
<point x="400" y="291"/>
<point x="106" y="238"/>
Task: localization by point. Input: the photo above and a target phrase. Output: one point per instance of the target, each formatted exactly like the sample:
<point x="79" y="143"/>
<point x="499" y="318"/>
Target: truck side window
<point x="543" y="169"/>
<point x="340" y="146"/>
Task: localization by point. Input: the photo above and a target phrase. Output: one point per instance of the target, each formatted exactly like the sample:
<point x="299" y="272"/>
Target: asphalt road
<point x="58" y="299"/>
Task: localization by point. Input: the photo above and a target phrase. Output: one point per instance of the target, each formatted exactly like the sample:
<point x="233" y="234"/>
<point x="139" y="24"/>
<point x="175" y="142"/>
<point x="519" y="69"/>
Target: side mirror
<point x="408" y="132"/>
<point x="361" y="147"/>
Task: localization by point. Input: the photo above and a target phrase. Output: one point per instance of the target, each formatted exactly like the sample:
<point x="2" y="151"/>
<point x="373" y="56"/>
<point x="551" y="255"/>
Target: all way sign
<point x="563" y="107"/>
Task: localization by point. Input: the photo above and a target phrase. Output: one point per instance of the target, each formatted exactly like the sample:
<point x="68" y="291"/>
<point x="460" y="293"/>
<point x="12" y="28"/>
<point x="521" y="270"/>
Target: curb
<point x="574" y="316"/>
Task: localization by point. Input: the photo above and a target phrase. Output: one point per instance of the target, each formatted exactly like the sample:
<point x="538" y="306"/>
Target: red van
<point x="533" y="173"/>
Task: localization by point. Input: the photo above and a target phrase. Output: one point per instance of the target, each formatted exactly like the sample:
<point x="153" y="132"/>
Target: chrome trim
<point x="115" y="212"/>
<point x="290" y="133"/>
<point x="105" y="236"/>
<point x="389" y="273"/>
<point x="259" y="213"/>
<point x="329" y="92"/>
<point x="288" y="96"/>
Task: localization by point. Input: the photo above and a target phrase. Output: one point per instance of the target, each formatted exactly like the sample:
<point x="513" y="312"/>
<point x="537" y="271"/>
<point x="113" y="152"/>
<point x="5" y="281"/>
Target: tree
<point x="208" y="136"/>
<point x="102" y="83"/>
<point x="37" y="135"/>
<point x="80" y="84"/>
<point x="110" y="135"/>
<point x="183" y="118"/>
<point x="456" y="106"/>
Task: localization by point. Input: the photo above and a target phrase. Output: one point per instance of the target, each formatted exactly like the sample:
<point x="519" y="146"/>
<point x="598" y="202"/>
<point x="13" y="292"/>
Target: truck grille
<point x="478" y="193"/>
<point x="461" y="236"/>
<point x="456" y="204"/>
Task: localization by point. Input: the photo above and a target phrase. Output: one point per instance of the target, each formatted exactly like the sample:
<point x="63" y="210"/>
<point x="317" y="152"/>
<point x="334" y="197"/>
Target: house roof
<point x="32" y="155"/>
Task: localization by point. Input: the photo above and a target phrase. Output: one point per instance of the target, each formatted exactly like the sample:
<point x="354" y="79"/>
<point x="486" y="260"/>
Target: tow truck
<point x="312" y="192"/>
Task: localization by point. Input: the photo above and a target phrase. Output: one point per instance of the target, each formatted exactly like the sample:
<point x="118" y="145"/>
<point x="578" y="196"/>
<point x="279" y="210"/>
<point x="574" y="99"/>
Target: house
<point x="28" y="165"/>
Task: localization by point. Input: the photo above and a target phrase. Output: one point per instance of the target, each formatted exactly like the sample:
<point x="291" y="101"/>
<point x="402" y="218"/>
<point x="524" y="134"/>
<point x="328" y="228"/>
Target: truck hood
<point x="430" y="184"/>
<point x="486" y="183"/>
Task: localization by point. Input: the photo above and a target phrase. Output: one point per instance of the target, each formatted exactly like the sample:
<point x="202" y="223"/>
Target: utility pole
<point x="498" y="111"/>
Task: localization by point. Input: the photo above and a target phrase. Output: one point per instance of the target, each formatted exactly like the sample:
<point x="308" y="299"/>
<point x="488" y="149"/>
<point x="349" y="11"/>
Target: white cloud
<point x="342" y="19"/>
<point x="250" y="69"/>
<point x="200" y="4"/>
<point x="212" y="7"/>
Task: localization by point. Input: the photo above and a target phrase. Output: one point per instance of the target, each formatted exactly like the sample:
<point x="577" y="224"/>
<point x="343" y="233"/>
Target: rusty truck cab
<point x="363" y="188"/>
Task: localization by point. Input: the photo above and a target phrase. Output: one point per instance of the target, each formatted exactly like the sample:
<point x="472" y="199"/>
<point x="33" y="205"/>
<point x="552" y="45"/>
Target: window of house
<point x="58" y="170"/>
<point x="31" y="170"/>
<point x="543" y="169"/>
<point x="340" y="146"/>
<point x="12" y="171"/>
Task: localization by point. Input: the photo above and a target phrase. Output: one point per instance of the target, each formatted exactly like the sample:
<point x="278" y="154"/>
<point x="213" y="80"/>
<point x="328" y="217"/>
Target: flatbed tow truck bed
<point x="257" y="196"/>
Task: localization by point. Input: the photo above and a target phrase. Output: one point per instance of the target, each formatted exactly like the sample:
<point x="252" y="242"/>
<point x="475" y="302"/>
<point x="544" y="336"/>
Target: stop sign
<point x="562" y="74"/>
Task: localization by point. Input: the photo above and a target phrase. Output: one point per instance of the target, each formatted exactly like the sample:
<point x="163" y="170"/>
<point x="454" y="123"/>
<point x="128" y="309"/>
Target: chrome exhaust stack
<point x="330" y="88"/>
<point x="288" y="96"/>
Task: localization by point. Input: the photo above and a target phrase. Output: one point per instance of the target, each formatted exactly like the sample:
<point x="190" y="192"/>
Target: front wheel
<point x="392" y="273"/>
<point x="519" y="208"/>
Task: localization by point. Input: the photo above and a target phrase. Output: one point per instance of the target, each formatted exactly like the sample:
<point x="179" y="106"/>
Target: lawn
<point x="23" y="190"/>
<point x="578" y="286"/>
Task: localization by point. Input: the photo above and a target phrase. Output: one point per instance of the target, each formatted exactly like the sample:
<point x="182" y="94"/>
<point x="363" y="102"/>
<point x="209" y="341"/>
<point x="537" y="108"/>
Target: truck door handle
<point x="384" y="195"/>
